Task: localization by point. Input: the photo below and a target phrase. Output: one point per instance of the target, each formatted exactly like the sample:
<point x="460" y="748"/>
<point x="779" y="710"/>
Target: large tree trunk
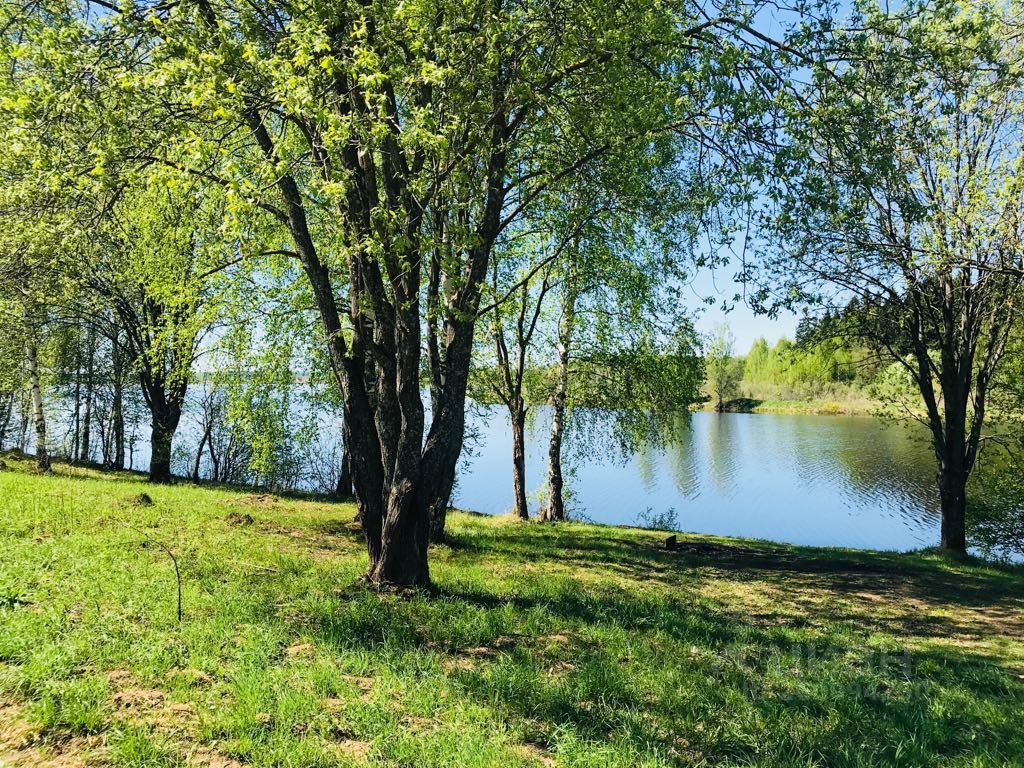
<point x="165" y="423"/>
<point x="953" y="465"/>
<point x="400" y="479"/>
<point x="953" y="500"/>
<point x="38" y="416"/>
<point x="520" y="507"/>
<point x="957" y="417"/>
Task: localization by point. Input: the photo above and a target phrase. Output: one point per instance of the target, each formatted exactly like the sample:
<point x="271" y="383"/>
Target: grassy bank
<point x="573" y="645"/>
<point x="817" y="407"/>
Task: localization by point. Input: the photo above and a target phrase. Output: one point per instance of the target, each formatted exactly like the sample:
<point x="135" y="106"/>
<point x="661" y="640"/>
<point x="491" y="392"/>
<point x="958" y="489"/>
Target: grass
<point x="815" y="406"/>
<point x="569" y="645"/>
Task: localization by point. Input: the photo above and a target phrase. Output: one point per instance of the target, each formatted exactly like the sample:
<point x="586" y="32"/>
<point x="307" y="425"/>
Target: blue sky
<point x="743" y="323"/>
<point x="720" y="284"/>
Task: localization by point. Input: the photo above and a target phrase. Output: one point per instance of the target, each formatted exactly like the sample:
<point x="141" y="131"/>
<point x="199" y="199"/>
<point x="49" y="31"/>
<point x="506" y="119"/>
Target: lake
<point x="850" y="481"/>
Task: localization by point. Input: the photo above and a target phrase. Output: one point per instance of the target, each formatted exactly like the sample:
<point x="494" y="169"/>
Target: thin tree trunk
<point x="556" y="482"/>
<point x="24" y="411"/>
<point x="38" y="417"/>
<point x="214" y="462"/>
<point x="85" y="445"/>
<point x="5" y="420"/>
<point x="199" y="452"/>
<point x="521" y="509"/>
<point x="76" y="440"/>
<point x="117" y="404"/>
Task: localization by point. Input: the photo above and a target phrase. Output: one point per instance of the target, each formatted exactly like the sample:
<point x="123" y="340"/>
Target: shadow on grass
<point x="976" y="599"/>
<point x="689" y="677"/>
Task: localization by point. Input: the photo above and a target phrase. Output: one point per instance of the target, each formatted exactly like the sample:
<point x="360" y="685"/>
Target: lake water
<point x="813" y="480"/>
<point x="850" y="481"/>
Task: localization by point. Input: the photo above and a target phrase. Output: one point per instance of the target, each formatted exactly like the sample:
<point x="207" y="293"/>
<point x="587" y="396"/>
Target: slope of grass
<point x="573" y="645"/>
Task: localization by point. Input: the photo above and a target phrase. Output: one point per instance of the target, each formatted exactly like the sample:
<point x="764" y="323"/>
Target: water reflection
<point x="682" y="459"/>
<point x="816" y="480"/>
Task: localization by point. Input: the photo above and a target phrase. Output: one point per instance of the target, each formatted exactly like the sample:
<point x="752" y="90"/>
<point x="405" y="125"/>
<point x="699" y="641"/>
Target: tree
<point x="390" y="146"/>
<point x="622" y="341"/>
<point x="518" y="290"/>
<point x="723" y="369"/>
<point x="905" y="183"/>
<point x="153" y="268"/>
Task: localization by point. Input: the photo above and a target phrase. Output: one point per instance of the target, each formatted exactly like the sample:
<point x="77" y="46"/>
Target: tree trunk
<point x="214" y="462"/>
<point x="447" y="427"/>
<point x="5" y="416"/>
<point x="344" y="486"/>
<point x="76" y="439"/>
<point x="165" y="422"/>
<point x="199" y="452"/>
<point x="117" y="405"/>
<point x="520" y="509"/>
<point x="555" y="510"/>
<point x="85" y="445"/>
<point x="953" y="500"/>
<point x="42" y="455"/>
<point x="953" y="472"/>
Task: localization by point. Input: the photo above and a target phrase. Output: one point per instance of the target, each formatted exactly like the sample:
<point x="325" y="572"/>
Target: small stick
<point x="170" y="554"/>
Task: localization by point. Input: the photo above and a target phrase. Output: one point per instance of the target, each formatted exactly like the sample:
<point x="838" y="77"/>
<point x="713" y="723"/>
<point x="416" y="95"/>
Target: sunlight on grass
<point x="572" y="645"/>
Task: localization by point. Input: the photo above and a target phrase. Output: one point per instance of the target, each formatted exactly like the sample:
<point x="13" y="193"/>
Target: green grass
<point x="569" y="645"/>
<point x="816" y="406"/>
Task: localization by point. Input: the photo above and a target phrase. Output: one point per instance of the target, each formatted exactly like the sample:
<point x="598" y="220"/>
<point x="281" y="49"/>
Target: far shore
<point x="820" y="407"/>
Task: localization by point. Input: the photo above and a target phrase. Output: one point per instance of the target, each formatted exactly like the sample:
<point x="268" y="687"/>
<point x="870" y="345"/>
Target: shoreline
<point x="817" y="407"/>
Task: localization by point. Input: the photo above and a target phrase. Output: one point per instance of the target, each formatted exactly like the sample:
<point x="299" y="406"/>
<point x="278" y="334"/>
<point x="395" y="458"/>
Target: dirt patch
<point x="534" y="754"/>
<point x="352" y="748"/>
<point x="559" y="638"/>
<point x="417" y="723"/>
<point x="15" y="733"/>
<point x="138" y="698"/>
<point x="19" y="747"/>
<point x="254" y="500"/>
<point x="458" y="664"/>
<point x="242" y="519"/>
<point x="362" y="684"/>
<point x="300" y="651"/>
